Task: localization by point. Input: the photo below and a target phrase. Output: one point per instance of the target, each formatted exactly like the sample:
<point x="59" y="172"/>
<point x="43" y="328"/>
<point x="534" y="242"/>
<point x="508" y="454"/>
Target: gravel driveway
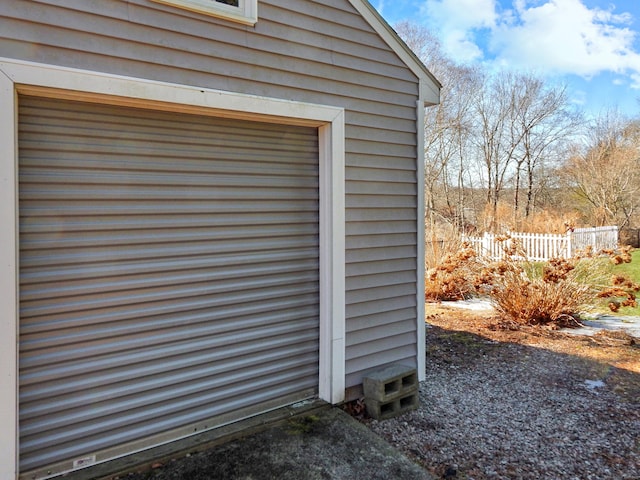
<point x="496" y="410"/>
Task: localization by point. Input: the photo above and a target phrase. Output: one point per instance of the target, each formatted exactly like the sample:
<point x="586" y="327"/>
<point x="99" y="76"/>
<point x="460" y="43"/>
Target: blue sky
<point x="592" y="46"/>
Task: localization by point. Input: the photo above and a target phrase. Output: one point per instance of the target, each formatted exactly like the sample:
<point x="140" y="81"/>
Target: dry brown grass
<point x="544" y="221"/>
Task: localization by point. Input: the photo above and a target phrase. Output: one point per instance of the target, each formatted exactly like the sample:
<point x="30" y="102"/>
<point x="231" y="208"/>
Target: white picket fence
<point x="544" y="246"/>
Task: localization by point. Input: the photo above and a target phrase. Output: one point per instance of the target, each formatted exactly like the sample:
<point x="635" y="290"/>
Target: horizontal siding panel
<point x="345" y="24"/>
<point x="382" y="162"/>
<point x="380" y="267"/>
<point x="380" y="293"/>
<point x="358" y="174"/>
<point x="204" y="31"/>
<point x="380" y="148"/>
<point x="380" y="280"/>
<point x="236" y="61"/>
<point x="379" y="201"/>
<point x="379" y="228"/>
<point x="377" y="254"/>
<point x="376" y="320"/>
<point x="381" y="122"/>
<point x="385" y="240"/>
<point x="380" y="135"/>
<point x="379" y="306"/>
<point x="193" y="75"/>
<point x="363" y="365"/>
<point x="391" y="329"/>
<point x="381" y="188"/>
<point x="336" y="34"/>
<point x="379" y="214"/>
<point x="378" y="346"/>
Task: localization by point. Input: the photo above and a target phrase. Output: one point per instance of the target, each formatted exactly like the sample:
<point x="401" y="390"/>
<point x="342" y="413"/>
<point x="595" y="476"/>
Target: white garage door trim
<point x="57" y="82"/>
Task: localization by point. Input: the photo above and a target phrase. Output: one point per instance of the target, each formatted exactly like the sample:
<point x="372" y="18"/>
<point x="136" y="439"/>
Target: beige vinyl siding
<point x="316" y="52"/>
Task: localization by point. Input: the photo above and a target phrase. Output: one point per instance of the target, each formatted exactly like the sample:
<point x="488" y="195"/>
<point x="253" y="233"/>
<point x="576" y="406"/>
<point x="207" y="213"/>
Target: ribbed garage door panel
<point x="168" y="273"/>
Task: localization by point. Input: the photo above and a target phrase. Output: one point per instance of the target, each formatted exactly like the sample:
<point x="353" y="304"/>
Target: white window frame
<point x="246" y="12"/>
<point x="19" y="77"/>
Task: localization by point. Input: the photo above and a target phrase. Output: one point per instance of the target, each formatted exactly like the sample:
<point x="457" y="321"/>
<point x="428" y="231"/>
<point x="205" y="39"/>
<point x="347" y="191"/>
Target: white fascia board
<point x="429" y="85"/>
<point x="60" y="82"/>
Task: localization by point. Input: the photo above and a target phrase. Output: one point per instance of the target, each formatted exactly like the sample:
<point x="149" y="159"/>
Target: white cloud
<point x="564" y="36"/>
<point x="458" y="20"/>
<point x="547" y="36"/>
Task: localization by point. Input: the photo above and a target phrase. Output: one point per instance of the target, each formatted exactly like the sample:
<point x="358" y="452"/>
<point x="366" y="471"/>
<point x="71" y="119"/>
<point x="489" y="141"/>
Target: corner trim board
<point x="8" y="280"/>
<point x="420" y="242"/>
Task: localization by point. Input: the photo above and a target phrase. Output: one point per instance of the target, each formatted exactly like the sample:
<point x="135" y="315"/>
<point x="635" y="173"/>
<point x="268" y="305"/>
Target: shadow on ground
<point x="525" y="403"/>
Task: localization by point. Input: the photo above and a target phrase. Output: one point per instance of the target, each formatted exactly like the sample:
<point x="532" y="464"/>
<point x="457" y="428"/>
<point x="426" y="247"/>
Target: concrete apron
<point x="307" y="441"/>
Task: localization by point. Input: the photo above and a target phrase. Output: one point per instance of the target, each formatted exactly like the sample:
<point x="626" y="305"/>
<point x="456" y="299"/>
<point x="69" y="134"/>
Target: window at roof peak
<point x="240" y="11"/>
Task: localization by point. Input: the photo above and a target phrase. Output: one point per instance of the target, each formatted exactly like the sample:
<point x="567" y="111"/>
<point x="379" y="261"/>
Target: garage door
<point x="168" y="275"/>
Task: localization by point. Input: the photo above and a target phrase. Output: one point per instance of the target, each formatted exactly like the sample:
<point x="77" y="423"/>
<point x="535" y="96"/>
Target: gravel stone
<point x="517" y="412"/>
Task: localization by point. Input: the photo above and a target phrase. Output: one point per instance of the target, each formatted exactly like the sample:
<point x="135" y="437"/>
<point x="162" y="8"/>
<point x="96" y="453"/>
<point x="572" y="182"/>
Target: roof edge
<point x="430" y="86"/>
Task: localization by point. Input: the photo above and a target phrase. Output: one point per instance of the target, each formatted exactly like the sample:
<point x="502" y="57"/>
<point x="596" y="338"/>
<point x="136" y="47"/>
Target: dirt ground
<point x="615" y="352"/>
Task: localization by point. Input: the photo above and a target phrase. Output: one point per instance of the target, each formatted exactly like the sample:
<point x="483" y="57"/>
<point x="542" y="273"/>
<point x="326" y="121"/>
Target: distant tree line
<point x="509" y="151"/>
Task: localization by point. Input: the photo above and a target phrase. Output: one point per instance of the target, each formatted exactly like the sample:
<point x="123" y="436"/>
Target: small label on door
<point x="84" y="461"/>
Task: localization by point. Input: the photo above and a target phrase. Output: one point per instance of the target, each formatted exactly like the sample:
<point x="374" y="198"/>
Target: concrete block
<point x="385" y="410"/>
<point x="390" y="383"/>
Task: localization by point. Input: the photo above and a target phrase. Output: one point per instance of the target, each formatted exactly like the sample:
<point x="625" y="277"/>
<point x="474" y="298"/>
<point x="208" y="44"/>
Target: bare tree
<point x="447" y="125"/>
<point x="545" y="121"/>
<point x="490" y="134"/>
<point x="498" y="135"/>
<point x="521" y="122"/>
<point x="605" y="174"/>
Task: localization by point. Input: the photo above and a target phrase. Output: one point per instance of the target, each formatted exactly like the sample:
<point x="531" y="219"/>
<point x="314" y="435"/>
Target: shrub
<point x="454" y="277"/>
<point x="524" y="293"/>
<point x="555" y="292"/>
<point x="533" y="293"/>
